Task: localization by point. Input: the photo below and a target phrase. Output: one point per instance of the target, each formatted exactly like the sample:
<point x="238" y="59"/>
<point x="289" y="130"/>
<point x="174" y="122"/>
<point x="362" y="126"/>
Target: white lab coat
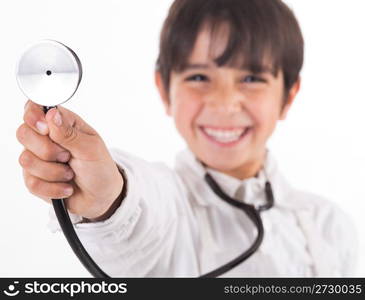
<point x="171" y="224"/>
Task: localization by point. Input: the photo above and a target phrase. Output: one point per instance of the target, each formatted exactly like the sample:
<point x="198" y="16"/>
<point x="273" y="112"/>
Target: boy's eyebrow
<point x="196" y="66"/>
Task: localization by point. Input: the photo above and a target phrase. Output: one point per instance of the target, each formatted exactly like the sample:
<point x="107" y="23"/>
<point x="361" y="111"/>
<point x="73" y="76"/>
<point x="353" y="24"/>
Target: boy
<point x="227" y="71"/>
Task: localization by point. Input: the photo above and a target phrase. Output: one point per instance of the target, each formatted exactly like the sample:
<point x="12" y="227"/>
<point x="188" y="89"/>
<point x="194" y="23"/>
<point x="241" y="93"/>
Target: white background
<point x="320" y="147"/>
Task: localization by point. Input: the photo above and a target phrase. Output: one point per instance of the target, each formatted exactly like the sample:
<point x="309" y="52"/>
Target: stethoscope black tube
<point x="63" y="217"/>
<point x="252" y="213"/>
<point x="66" y="225"/>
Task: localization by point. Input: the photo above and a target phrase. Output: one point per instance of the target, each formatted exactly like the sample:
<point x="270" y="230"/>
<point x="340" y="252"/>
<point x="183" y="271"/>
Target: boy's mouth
<point x="225" y="136"/>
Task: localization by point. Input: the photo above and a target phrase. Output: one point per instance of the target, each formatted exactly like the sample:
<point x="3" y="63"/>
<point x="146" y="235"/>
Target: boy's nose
<point x="227" y="100"/>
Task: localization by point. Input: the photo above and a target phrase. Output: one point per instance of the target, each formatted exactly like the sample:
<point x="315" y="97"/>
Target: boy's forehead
<point x="208" y="47"/>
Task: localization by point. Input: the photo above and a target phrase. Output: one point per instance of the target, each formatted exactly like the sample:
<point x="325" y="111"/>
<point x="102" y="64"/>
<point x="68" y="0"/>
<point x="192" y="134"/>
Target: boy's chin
<point x="223" y="164"/>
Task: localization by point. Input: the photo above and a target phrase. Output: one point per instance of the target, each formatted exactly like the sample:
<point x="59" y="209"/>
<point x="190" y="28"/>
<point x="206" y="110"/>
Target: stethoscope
<point x="49" y="73"/>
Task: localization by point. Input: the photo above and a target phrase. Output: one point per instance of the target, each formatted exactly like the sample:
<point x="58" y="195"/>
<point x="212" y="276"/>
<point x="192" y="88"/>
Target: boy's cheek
<point x="186" y="120"/>
<point x="268" y="111"/>
<point x="265" y="130"/>
<point x="264" y="121"/>
<point x="188" y="109"/>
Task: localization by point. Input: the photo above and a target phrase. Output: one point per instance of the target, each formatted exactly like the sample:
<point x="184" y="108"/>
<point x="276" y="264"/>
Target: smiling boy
<point x="227" y="71"/>
<point x="226" y="114"/>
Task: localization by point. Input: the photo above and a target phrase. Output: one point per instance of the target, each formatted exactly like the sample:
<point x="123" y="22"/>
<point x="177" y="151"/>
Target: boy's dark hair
<point x="259" y="29"/>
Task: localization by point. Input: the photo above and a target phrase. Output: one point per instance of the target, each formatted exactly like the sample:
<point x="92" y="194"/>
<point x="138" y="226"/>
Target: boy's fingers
<point x="44" y="189"/>
<point x="69" y="131"/>
<point x="34" y="117"/>
<point x="40" y="145"/>
<point x="48" y="171"/>
<point x="51" y="190"/>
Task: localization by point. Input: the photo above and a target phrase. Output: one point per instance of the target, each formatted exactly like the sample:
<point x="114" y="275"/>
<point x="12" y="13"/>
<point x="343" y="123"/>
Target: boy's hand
<point x="62" y="136"/>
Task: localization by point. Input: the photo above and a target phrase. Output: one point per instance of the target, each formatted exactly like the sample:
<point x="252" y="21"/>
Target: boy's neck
<point x="248" y="170"/>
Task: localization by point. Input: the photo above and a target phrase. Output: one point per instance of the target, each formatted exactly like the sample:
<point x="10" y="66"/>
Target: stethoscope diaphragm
<point x="48" y="73"/>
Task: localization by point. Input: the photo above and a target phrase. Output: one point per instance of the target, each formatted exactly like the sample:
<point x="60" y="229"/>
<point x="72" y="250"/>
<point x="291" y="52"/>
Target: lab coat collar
<point x="249" y="190"/>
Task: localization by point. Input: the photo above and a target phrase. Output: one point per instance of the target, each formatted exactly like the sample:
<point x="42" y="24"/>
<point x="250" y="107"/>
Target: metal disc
<point x="48" y="73"/>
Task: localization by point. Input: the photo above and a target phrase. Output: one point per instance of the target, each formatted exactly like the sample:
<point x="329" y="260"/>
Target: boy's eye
<point x="197" y="77"/>
<point x="253" y="78"/>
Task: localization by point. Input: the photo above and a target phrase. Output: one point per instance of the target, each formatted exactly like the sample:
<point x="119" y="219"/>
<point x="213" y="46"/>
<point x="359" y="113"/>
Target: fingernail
<point x="68" y="191"/>
<point x="42" y="127"/>
<point x="63" y="156"/>
<point x="69" y="175"/>
<point x="57" y="119"/>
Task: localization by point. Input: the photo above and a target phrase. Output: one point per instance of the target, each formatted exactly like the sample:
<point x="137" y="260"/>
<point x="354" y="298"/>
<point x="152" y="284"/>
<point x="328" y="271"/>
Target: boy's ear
<point x="290" y="99"/>
<point x="163" y="93"/>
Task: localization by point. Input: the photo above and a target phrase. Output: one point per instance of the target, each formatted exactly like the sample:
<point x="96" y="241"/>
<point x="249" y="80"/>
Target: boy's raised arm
<point x="125" y="210"/>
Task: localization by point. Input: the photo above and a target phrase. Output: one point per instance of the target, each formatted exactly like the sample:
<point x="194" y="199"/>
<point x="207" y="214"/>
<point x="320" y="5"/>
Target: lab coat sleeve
<point x="139" y="238"/>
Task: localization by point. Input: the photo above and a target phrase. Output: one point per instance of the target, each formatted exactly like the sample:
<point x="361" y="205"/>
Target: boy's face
<point x="225" y="115"/>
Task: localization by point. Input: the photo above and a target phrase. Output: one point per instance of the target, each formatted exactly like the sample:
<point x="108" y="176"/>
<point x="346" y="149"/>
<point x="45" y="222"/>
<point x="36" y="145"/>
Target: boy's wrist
<point x="115" y="205"/>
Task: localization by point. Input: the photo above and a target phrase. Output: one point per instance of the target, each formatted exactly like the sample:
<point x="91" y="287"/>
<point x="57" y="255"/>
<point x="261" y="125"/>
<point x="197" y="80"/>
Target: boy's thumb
<point x="69" y="131"/>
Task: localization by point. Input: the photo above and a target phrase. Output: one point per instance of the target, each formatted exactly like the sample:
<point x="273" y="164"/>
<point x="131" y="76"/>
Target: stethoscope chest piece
<point x="48" y="73"/>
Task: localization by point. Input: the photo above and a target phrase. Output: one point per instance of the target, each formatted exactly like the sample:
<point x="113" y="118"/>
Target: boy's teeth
<point x="224" y="136"/>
